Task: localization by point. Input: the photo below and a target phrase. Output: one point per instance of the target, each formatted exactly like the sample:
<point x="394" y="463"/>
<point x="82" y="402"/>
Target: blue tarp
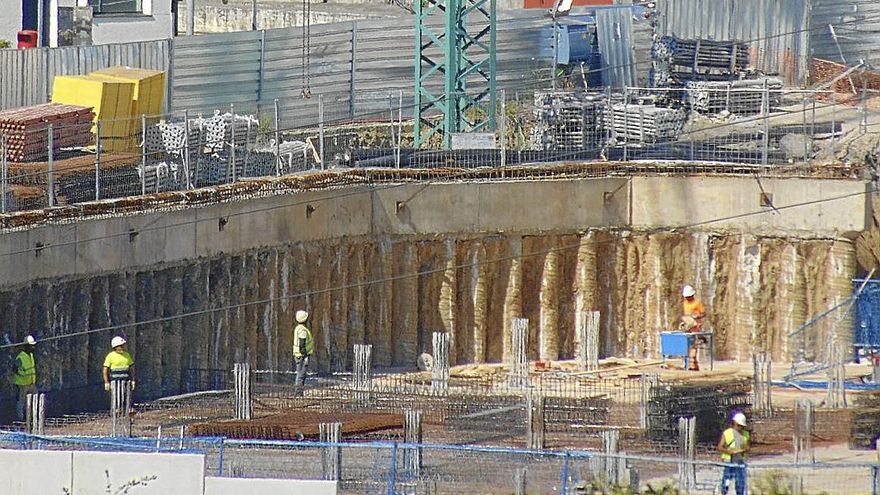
<point x="867" y="324"/>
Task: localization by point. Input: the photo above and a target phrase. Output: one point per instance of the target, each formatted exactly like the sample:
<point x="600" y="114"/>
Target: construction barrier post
<point x="321" y="129"/>
<point x="502" y="128"/>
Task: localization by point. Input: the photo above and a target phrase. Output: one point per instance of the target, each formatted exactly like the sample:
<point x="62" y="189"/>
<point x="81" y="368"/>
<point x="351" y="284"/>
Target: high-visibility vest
<point x="730" y="441"/>
<point x="302" y="332"/>
<point x="26" y="373"/>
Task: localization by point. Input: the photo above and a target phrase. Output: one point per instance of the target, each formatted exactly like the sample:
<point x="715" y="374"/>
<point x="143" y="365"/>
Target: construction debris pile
<point x="26" y="130"/>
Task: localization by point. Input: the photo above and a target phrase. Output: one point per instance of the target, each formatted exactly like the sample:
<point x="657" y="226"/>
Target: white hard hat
<point x="688" y="291"/>
<point x="302" y="316"/>
<point x="740" y="419"/>
<point x="117" y="341"/>
<point x="30" y="340"/>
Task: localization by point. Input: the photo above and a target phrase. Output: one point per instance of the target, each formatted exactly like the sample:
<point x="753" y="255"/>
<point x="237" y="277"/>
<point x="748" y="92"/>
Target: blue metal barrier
<point x="867" y="324"/>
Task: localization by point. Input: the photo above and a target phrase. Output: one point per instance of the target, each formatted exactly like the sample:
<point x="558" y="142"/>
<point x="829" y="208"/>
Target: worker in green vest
<point x="25" y="374"/>
<point x="303" y="348"/>
<point x="734" y="445"/>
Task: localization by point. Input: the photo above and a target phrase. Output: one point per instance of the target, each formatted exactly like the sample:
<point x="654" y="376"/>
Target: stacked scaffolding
<point x="741" y="97"/>
<point x="566" y="121"/>
<point x="26" y="130"/>
<point x="641" y="123"/>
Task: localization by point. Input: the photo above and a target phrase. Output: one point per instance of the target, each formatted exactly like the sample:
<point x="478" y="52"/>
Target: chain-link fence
<point x="420" y="468"/>
<point x="730" y="127"/>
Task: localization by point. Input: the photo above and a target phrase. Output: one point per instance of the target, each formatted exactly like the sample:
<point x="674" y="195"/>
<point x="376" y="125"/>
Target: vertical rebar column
<point x="399" y="128"/>
<point x="331" y="455"/>
<point x="412" y="434"/>
<point x="647" y="382"/>
<point x="35" y="413"/>
<point x="611" y="448"/>
<point x="519" y="363"/>
<point x="120" y="408"/>
<point x="363" y="370"/>
<point x="4" y="172"/>
<point x="535" y="405"/>
<point x="687" y="445"/>
<point x="520" y="481"/>
<point x="277" y="138"/>
<point x="97" y="160"/>
<point x="765" y="113"/>
<point x="802" y="436"/>
<point x="51" y="166"/>
<point x="502" y="128"/>
<point x="232" y="139"/>
<point x="836" y="396"/>
<point x="761" y="384"/>
<point x="243" y="404"/>
<point x="321" y="129"/>
<point x="440" y="370"/>
<point x="588" y="340"/>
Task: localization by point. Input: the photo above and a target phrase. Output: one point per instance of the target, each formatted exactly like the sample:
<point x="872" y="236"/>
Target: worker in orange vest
<point x="693" y="313"/>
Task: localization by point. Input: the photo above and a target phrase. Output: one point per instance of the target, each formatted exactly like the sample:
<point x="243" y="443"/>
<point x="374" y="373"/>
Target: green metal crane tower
<point x="457" y="61"/>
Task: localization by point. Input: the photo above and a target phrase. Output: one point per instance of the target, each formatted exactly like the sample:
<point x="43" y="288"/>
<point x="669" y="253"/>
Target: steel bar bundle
<point x="710" y="403"/>
<point x="676" y="60"/>
<point x="687" y="445"/>
<point x="27" y="129"/>
<point x="866" y="421"/>
<point x="741" y="97"/>
<point x="244" y="407"/>
<point x="331" y="457"/>
<point x="566" y="121"/>
<point x="588" y="340"/>
<point x="120" y="408"/>
<point x="638" y="123"/>
<point x="519" y="363"/>
<point x="440" y="369"/>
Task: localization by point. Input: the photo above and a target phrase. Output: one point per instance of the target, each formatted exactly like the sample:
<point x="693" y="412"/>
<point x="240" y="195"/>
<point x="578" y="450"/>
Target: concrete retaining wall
<point x="150" y="239"/>
<point x="32" y="472"/>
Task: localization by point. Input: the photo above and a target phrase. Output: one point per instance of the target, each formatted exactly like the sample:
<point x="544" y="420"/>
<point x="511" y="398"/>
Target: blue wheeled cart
<point x="677" y="344"/>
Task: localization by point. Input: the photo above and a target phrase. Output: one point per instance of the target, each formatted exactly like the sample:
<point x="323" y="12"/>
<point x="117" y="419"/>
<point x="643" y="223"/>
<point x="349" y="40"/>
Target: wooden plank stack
<point x="742" y="97"/>
<point x="677" y="61"/>
<point x="27" y="130"/>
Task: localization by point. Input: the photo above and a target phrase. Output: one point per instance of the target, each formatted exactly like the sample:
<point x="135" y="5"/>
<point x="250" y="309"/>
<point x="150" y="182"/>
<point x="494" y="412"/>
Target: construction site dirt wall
<point x="390" y="266"/>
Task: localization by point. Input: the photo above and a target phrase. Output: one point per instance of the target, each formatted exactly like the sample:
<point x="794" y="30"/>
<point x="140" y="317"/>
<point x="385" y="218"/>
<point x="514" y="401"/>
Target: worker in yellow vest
<point x="303" y="348"/>
<point x="734" y="445"/>
<point x="118" y="365"/>
<point x="24" y="374"/>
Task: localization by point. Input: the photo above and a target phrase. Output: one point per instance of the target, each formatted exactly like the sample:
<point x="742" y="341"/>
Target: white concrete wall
<point x="10" y="20"/>
<point x="32" y="472"/>
<point x="154" y="474"/>
<point x="247" y="486"/>
<point x="154" y="24"/>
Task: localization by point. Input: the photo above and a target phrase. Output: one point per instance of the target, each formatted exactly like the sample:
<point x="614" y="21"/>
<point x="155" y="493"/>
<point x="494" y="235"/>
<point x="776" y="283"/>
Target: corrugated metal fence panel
<point x="856" y="24"/>
<point x="778" y="31"/>
<point x="26" y="76"/>
<point x="615" y="30"/>
<point x="381" y="51"/>
<point x="867" y="324"/>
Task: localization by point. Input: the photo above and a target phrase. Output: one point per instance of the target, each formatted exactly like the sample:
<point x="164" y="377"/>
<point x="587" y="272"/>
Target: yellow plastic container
<point x="149" y="87"/>
<point x="112" y="101"/>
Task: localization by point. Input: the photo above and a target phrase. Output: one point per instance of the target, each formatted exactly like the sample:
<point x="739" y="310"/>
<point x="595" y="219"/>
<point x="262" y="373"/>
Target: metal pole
<point x="765" y="110"/>
<point x="321" y="129"/>
<point x="502" y="128"/>
<point x="392" y="476"/>
<point x="833" y="121"/>
<point x="864" y="123"/>
<point x="51" y="167"/>
<point x="254" y="15"/>
<point x="144" y="155"/>
<point x="232" y="138"/>
<point x="399" y="126"/>
<point x="97" y="160"/>
<point x="555" y="51"/>
<point x="277" y="139"/>
<point x="4" y="172"/>
<point x="187" y="171"/>
<point x="625" y="123"/>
